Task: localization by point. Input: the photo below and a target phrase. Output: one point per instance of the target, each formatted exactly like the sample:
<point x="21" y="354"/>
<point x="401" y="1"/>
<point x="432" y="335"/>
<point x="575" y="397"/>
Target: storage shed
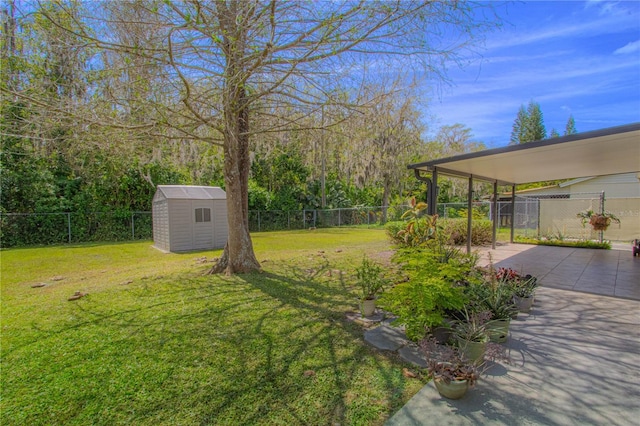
<point x="189" y="218"/>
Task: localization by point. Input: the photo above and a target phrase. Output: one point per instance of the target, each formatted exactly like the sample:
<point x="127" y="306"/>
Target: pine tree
<point x="554" y="134"/>
<point x="528" y="125"/>
<point x="570" y="128"/>
<point x="519" y="125"/>
<point x="534" y="128"/>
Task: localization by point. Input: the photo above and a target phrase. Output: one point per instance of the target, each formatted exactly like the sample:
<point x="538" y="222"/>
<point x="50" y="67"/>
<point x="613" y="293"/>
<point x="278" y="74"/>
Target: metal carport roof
<point x="600" y="152"/>
<point x="595" y="153"/>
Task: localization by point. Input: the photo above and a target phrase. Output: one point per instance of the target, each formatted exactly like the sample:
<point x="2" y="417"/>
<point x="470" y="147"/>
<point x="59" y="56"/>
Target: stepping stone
<point x="386" y="338"/>
<point x="411" y="354"/>
<point x="368" y="322"/>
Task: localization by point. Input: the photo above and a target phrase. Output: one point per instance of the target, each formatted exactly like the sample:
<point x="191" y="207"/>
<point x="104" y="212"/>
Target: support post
<point x="69" y="226"/>
<point x="433" y="206"/>
<point x="469" y="208"/>
<point x="432" y="190"/>
<point x="602" y="212"/>
<point x="513" y="212"/>
<point x="494" y="212"/>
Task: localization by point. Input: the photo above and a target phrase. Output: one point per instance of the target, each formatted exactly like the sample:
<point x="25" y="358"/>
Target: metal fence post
<point x="602" y="212"/>
<point x="69" y="226"/>
<point x="258" y="220"/>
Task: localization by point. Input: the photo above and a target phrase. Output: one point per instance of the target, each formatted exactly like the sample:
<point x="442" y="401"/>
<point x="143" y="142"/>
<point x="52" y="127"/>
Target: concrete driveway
<point x="576" y="356"/>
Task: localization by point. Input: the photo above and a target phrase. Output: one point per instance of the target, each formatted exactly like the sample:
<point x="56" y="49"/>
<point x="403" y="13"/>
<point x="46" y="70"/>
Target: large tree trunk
<point x="238" y="255"/>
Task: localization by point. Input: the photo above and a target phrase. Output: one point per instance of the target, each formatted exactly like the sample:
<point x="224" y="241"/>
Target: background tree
<point x="451" y="140"/>
<point x="227" y="65"/>
<point x="570" y="128"/>
<point x="519" y="126"/>
<point x="528" y="125"/>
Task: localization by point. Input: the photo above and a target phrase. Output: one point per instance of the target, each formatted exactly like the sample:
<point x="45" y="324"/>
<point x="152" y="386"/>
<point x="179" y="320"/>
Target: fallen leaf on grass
<point x="38" y="285"/>
<point x="408" y="373"/>
<point x="309" y="373"/>
<point x="77" y="295"/>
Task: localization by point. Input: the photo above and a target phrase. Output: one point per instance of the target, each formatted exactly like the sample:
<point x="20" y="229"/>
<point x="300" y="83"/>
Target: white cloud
<point x="633" y="47"/>
<point x="611" y="18"/>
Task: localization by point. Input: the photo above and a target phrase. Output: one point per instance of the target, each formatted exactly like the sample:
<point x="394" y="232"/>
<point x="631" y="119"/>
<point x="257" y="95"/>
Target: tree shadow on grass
<point x="258" y="348"/>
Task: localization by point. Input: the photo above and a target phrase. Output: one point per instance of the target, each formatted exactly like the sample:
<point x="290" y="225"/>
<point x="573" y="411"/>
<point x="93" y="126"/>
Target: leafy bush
<point x="481" y="231"/>
<point x="370" y="278"/>
<point x="454" y="229"/>
<point x="430" y="291"/>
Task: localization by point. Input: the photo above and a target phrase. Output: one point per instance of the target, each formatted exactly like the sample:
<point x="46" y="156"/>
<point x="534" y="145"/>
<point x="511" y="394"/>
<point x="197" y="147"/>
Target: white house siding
<point x="625" y="185"/>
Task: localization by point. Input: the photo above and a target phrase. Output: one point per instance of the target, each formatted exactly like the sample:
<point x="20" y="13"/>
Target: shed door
<point x="202" y="224"/>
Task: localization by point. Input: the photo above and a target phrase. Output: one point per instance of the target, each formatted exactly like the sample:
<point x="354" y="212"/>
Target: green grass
<point x="157" y="342"/>
<point x="605" y="245"/>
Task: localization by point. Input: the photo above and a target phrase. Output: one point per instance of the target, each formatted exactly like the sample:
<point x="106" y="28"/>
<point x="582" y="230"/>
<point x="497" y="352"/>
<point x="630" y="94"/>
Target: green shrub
<point x="605" y="245"/>
<point x="431" y="290"/>
<point x="454" y="229"/>
<point x="481" y="231"/>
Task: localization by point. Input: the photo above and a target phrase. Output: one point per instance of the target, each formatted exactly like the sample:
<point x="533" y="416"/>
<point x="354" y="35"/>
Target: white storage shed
<point x="189" y="218"/>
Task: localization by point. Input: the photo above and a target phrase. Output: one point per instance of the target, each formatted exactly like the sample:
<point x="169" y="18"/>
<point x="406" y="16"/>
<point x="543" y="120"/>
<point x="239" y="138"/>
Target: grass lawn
<point x="155" y="341"/>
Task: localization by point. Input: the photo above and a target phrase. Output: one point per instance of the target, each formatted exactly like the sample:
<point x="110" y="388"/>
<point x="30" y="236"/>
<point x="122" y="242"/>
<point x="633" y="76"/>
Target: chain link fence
<point x="19" y="229"/>
<point x="274" y="220"/>
<point x="550" y="216"/>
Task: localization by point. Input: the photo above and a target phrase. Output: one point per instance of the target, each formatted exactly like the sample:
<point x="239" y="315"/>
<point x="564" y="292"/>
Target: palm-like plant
<point x="420" y="228"/>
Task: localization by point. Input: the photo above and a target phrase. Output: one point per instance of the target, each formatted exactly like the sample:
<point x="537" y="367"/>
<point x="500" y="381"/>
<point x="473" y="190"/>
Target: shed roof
<point x="600" y="152"/>
<point x="191" y="192"/>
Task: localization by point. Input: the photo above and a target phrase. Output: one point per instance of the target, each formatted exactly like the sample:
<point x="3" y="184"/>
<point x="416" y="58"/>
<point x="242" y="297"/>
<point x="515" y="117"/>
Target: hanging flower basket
<point x="598" y="221"/>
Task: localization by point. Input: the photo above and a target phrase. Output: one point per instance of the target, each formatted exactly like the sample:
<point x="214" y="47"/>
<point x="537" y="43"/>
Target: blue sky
<point x="572" y="57"/>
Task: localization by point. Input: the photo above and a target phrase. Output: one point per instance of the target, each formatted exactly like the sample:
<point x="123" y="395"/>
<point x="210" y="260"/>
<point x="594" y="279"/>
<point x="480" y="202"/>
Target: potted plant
<point x="499" y="301"/>
<point x="598" y="221"/>
<point x="524" y="289"/>
<point x="472" y="335"/>
<point x="452" y="374"/>
<point x="371" y="281"/>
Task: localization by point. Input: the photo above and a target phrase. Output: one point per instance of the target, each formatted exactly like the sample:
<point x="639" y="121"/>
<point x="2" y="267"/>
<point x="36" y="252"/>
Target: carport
<point x="608" y="151"/>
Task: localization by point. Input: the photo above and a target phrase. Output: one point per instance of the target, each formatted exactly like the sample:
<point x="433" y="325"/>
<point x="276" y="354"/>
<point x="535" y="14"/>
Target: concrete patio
<point x="607" y="272"/>
<point x="576" y="356"/>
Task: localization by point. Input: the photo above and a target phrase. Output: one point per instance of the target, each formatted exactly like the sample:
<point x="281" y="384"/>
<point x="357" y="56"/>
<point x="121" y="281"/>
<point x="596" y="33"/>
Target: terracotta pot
<point x="473" y="351"/>
<point x="498" y="330"/>
<point x="368" y="307"/>
<point x="455" y="389"/>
